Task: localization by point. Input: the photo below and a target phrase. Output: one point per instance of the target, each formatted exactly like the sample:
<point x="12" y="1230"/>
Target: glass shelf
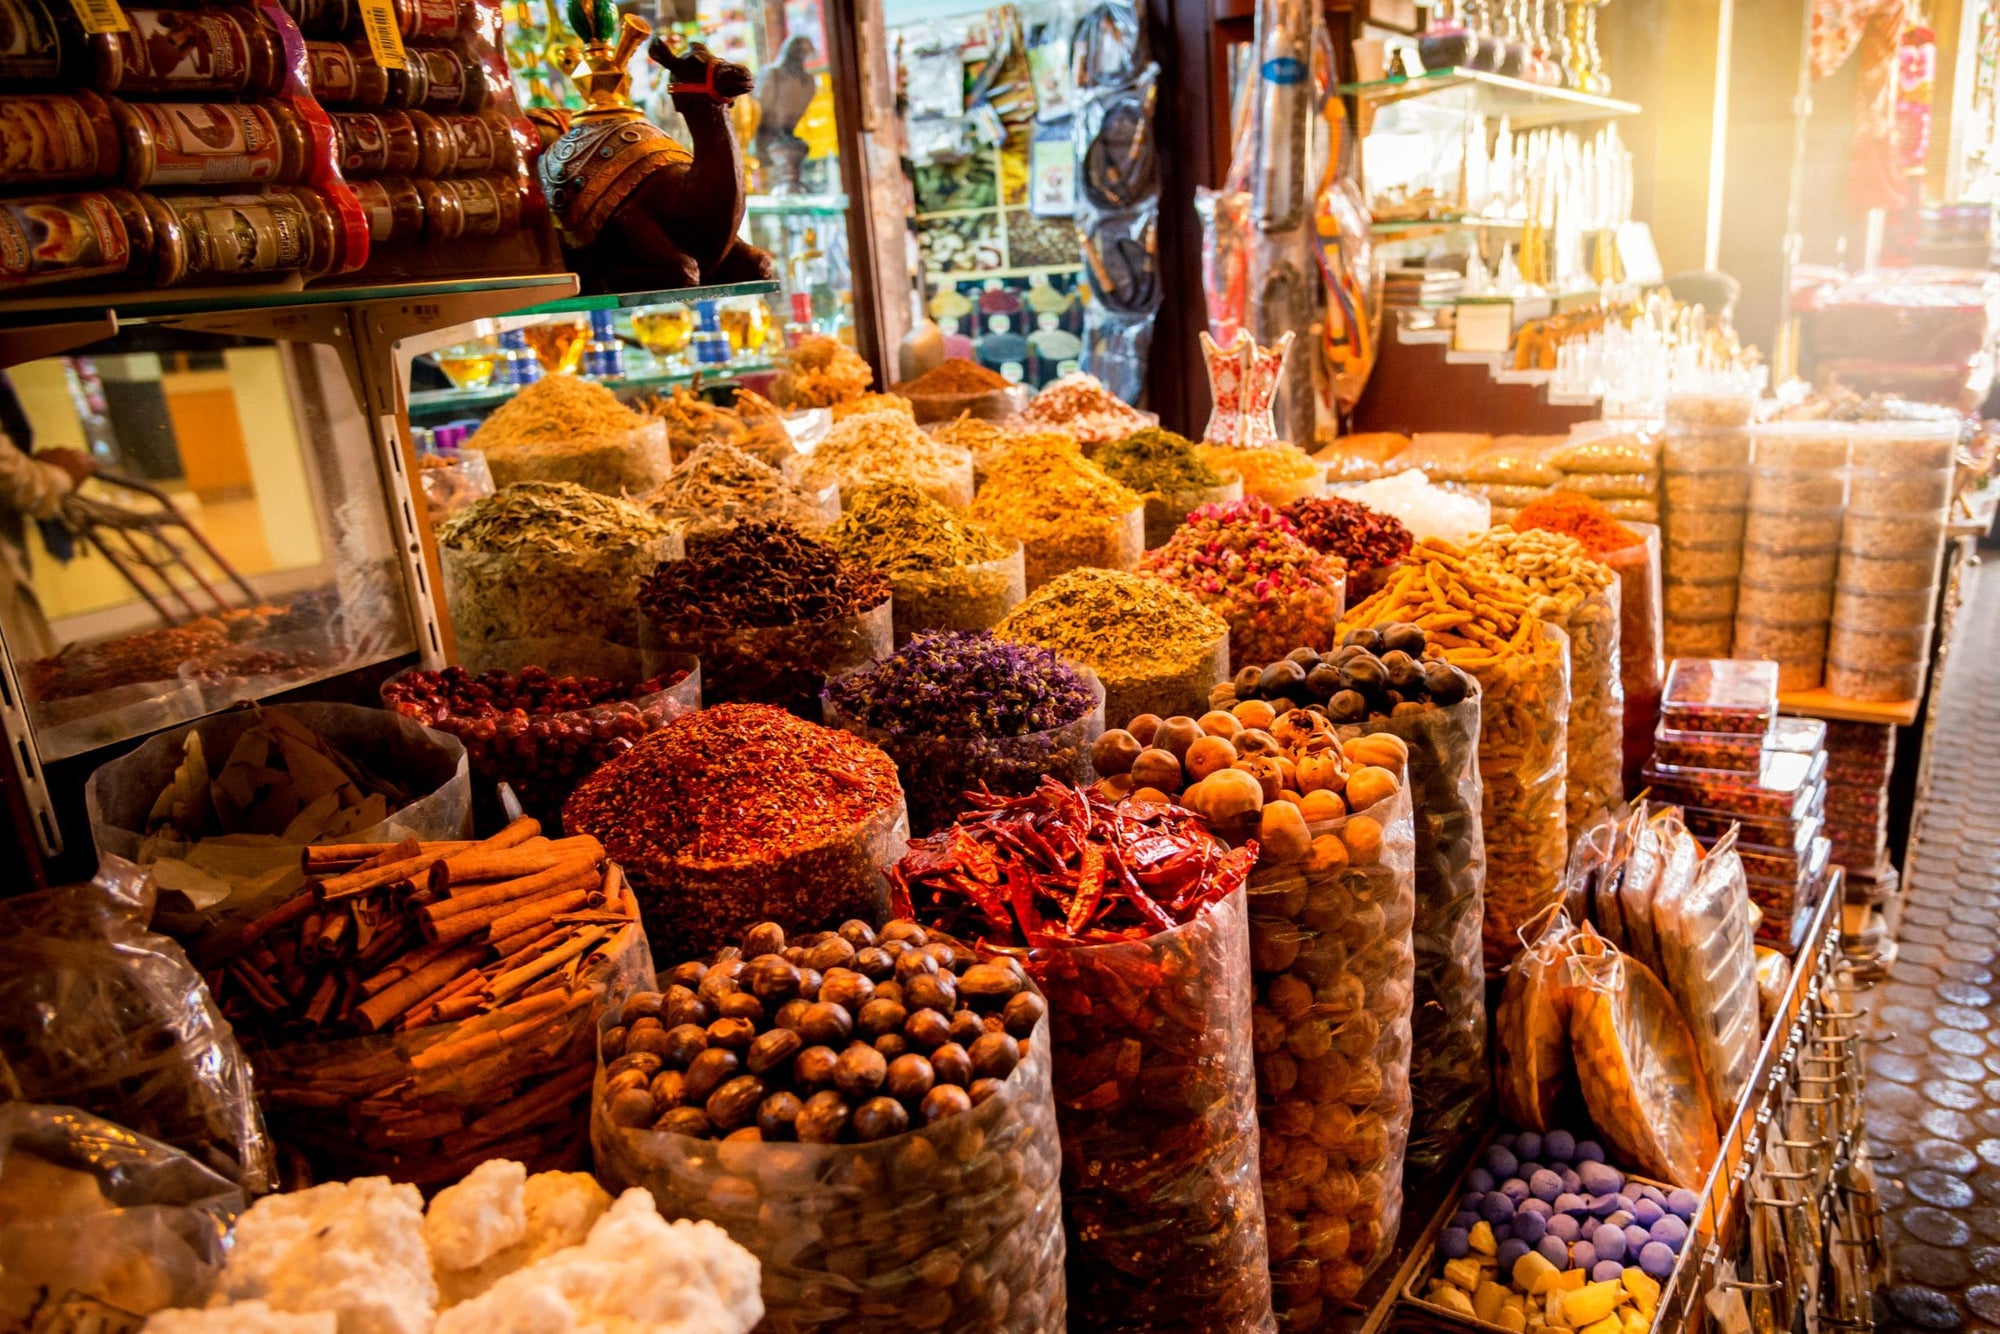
<point x="1492" y="95"/>
<point x="428" y="406"/>
<point x="818" y="206"/>
<point x="129" y="308"/>
<point x="678" y="296"/>
<point x="1405" y="228"/>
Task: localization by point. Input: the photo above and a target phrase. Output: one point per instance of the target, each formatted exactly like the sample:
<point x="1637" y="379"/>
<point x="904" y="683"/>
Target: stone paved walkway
<point x="1934" y="1092"/>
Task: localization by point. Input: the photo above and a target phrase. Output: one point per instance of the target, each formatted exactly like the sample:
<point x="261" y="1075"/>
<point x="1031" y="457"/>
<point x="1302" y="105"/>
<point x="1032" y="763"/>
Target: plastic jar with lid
<point x="452" y="80"/>
<point x="285" y="230"/>
<point x="1799" y="648"/>
<point x="1691" y="599"/>
<point x="1704" y="525"/>
<point x="1790" y="565"/>
<point x="1903" y="446"/>
<point x="340" y="76"/>
<point x="1702" y="560"/>
<point x="1708" y="487"/>
<point x="1879" y="648"/>
<point x="1910" y="492"/>
<point x="394" y="208"/>
<point x="188" y="52"/>
<point x="1887" y="574"/>
<point x="466" y="143"/>
<point x="1794" y="529"/>
<point x="1796" y="489"/>
<point x="1855" y="609"/>
<point x="1800" y="446"/>
<point x="376" y="143"/>
<point x="45" y="48"/>
<point x="1908" y="535"/>
<point x="1704" y="637"/>
<point x="1793" y="603"/>
<point x="111" y="232"/>
<point x="422" y="20"/>
<point x="322" y="18"/>
<point x="1880" y="682"/>
<point x="211" y="143"/>
<point x="57" y="137"/>
<point x="474" y="206"/>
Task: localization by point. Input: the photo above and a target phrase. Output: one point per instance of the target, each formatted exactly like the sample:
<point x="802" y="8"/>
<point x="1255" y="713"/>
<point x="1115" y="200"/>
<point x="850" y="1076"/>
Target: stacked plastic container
<point x="1890" y="544"/>
<point x="1861" y="757"/>
<point x="1725" y="756"/>
<point x="1705" y="471"/>
<point x="1791" y="544"/>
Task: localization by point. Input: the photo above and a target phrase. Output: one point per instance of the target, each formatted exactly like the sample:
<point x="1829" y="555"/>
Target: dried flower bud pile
<point x="1155" y="648"/>
<point x="1246" y="563"/>
<point x="740" y="813"/>
<point x="1062" y="509"/>
<point x="1372" y="543"/>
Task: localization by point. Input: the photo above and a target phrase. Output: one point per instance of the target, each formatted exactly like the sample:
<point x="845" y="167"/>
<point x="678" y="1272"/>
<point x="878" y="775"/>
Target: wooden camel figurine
<point x="637" y="211"/>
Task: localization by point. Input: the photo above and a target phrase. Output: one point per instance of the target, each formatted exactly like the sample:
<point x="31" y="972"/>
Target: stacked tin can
<point x="1791" y="543"/>
<point x="1891" y="542"/>
<point x="1726" y="757"/>
<point x="1862" y="756"/>
<point x="1705" y="475"/>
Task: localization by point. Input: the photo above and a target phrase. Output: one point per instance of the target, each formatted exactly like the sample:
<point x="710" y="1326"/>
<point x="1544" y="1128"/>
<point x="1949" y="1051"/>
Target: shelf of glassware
<point x="431" y="406"/>
<point x="677" y="296"/>
<point x="1458" y="91"/>
<point x="796" y="206"/>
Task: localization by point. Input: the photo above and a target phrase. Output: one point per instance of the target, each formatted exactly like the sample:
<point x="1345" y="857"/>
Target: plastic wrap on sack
<point x="428" y="1105"/>
<point x="99" y="1013"/>
<point x="500" y="598"/>
<point x="1531" y="1027"/>
<point x="1448" y="1068"/>
<point x="1523" y="769"/>
<point x="1711" y="967"/>
<point x="1157" y="1103"/>
<point x="132" y="1226"/>
<point x="1330" y="953"/>
<point x="631" y="463"/>
<point x="1594" y="740"/>
<point x="255" y="870"/>
<point x="1638" y="1067"/>
<point x="955" y="1225"/>
<point x="1641" y="666"/>
<point x="1121" y="266"/>
<point x="1663" y="866"/>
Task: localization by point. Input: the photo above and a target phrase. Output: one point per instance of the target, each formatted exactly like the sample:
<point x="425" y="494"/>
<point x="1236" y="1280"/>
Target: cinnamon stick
<point x="582" y="942"/>
<point x="509" y="1023"/>
<point x="416" y="959"/>
<point x="321" y="1004"/>
<point x="455" y="919"/>
<point x="480" y="864"/>
<point x="332" y="858"/>
<point x="540" y="910"/>
<point x="360" y="882"/>
<point x="378" y="1012"/>
<point x="395" y="852"/>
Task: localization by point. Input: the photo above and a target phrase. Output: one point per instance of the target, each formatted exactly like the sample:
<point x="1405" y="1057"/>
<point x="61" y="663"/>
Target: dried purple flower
<point x="964" y="683"/>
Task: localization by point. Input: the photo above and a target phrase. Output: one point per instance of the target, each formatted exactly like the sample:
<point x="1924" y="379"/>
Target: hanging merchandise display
<point x="1277" y="155"/>
<point x="1118" y="192"/>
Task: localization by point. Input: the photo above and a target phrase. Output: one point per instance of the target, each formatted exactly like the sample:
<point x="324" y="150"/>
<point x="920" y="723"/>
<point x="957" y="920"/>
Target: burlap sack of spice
<point x="956" y="1225"/>
<point x="239" y="875"/>
<point x="429" y="1104"/>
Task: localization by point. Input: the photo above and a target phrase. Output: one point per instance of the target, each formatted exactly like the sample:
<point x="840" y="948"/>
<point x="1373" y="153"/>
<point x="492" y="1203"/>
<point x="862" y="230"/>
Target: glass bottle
<point x="521" y="366"/>
<point x="1446" y="44"/>
<point x="604" y="357"/>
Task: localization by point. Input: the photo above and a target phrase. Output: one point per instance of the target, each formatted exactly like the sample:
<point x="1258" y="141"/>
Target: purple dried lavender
<point x="964" y="683"/>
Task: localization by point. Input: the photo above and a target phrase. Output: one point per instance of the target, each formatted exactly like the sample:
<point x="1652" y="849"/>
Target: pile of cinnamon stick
<point x="472" y="972"/>
<point x="398" y="936"/>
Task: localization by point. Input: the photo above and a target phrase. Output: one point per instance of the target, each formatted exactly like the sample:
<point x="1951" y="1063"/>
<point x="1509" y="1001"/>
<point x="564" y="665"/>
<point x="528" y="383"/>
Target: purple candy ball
<point x="1599" y="1179"/>
<point x="1471" y="1200"/>
<point x="1501" y="1162"/>
<point x="1528" y="1144"/>
<point x="1507" y="1140"/>
<point x="1463" y="1218"/>
<point x="1510" y="1250"/>
<point x="1479" y="1179"/>
<point x="1553" y="1249"/>
<point x="1531" y="1227"/>
<point x="1636" y="1238"/>
<point x="1545" y="1185"/>
<point x="1654" y="1194"/>
<point x="1603" y="1206"/>
<point x="1657" y="1260"/>
<point x="1609" y="1242"/>
<point x="1619" y="1218"/>
<point x="1496" y="1208"/>
<point x="1572" y="1183"/>
<point x="1647" y="1212"/>
<point x="1565" y="1228"/>
<point x="1670" y="1230"/>
<point x="1559" y="1146"/>
<point x="1589" y="1151"/>
<point x="1567" y="1203"/>
<point x="1606" y="1271"/>
<point x="1682" y="1204"/>
<point x="1514" y="1189"/>
<point x="1454" y="1243"/>
<point x="1532" y="1205"/>
<point x="1582" y="1255"/>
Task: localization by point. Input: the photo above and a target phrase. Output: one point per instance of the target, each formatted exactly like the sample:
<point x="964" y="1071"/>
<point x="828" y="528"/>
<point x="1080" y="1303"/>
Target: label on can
<point x="1284" y="71"/>
<point x="174" y="50"/>
<point x="30" y="45"/>
<point x="447" y="77"/>
<point x="393" y="208"/>
<point x="385" y="38"/>
<point x="100" y="16"/>
<point x="51" y="138"/>
<point x="429" y="18"/>
<point x="243" y="233"/>
<point x="373" y="143"/>
<point x="62" y="237"/>
<point x="481" y="210"/>
<point x="476" y="145"/>
<point x="211" y="143"/>
<point x="604" y="361"/>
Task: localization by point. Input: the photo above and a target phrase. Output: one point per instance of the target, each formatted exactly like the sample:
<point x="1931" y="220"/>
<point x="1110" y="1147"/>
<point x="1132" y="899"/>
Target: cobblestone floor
<point x="1934" y="1092"/>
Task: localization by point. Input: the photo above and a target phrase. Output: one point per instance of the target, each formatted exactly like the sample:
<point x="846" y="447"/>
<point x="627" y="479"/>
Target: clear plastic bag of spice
<point x="942" y="769"/>
<point x="1448" y="1072"/>
<point x="506" y="602"/>
<point x="1168" y="511"/>
<point x="99" y="1013"/>
<point x="1531" y="1025"/>
<point x="1157" y="1104"/>
<point x="785" y="665"/>
<point x="1084" y="540"/>
<point x="628" y="464"/>
<point x="956" y="1225"/>
<point x="1331" y="957"/>
<point x="1595" y="738"/>
<point x="958" y="597"/>
<point x="1523" y="769"/>
<point x="1179" y="687"/>
<point x="429" y="1104"/>
<point x="251" y="871"/>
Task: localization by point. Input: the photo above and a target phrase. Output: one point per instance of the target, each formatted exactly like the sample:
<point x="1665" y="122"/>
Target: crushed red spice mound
<point x="956" y="376"/>
<point x="1579" y="516"/>
<point x="1063" y="865"/>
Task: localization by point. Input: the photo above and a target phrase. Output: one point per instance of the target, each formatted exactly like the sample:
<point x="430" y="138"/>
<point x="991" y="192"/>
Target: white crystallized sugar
<point x="557" y="1209"/>
<point x="354" y="1248"/>
<point x="242" y="1318"/>
<point x="635" y="1274"/>
<point x="467" y="1224"/>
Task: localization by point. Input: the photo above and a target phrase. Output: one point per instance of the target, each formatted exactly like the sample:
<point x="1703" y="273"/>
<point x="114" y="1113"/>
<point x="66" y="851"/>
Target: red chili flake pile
<point x="1366" y="539"/>
<point x="1065" y="866"/>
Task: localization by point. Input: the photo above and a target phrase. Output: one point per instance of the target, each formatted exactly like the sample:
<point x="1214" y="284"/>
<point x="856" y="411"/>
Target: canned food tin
<point x="211" y="143"/>
<point x="394" y="207"/>
<point x="376" y="143"/>
<point x="180" y="52"/>
<point x="66" y="238"/>
<point x="58" y="137"/>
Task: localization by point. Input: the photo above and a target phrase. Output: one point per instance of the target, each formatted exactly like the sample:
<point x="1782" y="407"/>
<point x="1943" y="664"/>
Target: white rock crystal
<point x="353" y="1248"/>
